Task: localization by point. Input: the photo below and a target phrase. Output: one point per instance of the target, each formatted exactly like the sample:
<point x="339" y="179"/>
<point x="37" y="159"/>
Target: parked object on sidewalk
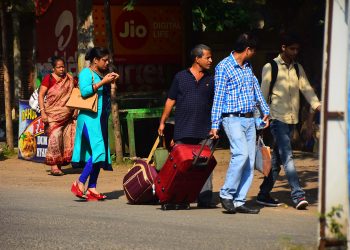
<point x="262" y="157"/>
<point x="183" y="175"/>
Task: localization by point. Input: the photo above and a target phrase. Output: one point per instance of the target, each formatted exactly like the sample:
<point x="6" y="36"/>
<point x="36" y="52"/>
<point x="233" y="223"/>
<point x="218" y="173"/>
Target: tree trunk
<point x="187" y="41"/>
<point x="16" y="58"/>
<point x="85" y="27"/>
<point x="115" y="109"/>
<point x="9" y="129"/>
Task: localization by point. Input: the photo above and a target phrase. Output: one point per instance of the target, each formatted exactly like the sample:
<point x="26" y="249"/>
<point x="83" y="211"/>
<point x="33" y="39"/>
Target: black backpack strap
<point x="274" y="71"/>
<point x="296" y="67"/>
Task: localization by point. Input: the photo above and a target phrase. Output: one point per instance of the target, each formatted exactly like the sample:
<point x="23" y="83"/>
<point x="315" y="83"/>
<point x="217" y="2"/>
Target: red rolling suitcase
<point x="183" y="175"/>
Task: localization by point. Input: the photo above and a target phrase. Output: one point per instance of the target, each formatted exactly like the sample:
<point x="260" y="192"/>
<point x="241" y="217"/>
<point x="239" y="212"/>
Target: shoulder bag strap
<point x="274" y="72"/>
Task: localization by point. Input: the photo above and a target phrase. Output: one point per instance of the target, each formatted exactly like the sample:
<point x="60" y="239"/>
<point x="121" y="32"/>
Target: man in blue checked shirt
<point x="237" y="92"/>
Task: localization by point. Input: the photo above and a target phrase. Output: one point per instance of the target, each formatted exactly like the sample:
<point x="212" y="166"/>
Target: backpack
<point x="34" y="99"/>
<point x="274" y="72"/>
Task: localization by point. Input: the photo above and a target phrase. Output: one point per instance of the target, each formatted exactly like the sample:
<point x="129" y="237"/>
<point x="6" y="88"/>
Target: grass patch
<point x="287" y="244"/>
<point x="6" y="153"/>
<point x="127" y="162"/>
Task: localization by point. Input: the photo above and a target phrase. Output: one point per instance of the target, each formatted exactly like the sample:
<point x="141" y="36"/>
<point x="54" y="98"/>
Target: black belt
<point x="237" y="114"/>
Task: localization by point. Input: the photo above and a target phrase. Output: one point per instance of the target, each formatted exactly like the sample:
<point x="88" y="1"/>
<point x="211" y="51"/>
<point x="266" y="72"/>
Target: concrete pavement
<point x="37" y="211"/>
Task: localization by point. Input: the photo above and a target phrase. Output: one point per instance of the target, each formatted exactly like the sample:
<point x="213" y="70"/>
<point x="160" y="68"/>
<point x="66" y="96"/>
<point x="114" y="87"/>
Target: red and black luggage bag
<point x="183" y="175"/>
<point x="138" y="183"/>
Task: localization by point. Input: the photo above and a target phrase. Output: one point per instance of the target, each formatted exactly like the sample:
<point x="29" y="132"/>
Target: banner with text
<point x="32" y="141"/>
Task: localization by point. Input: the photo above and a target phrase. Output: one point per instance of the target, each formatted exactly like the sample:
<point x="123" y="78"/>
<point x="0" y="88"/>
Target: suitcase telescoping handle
<point x="212" y="149"/>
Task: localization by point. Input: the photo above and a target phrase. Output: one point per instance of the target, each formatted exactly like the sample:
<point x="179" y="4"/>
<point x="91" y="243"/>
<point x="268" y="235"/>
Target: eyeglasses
<point x="105" y="59"/>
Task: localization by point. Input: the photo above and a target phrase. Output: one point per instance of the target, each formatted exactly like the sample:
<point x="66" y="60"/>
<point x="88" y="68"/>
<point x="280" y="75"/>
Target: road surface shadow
<point x="114" y="195"/>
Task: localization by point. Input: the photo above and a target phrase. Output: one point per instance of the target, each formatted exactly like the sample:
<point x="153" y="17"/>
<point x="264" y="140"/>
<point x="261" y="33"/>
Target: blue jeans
<point x="239" y="176"/>
<point x="282" y="155"/>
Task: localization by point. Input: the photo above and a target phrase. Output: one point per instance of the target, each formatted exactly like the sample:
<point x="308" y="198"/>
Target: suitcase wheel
<point x="167" y="207"/>
<point x="184" y="206"/>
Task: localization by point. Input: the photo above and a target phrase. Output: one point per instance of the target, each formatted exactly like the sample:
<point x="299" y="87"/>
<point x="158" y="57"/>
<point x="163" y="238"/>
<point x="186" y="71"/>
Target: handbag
<point x="34" y="102"/>
<point x="262" y="157"/>
<point x="258" y="117"/>
<point x="34" y="99"/>
<point x="160" y="154"/>
<point x="76" y="101"/>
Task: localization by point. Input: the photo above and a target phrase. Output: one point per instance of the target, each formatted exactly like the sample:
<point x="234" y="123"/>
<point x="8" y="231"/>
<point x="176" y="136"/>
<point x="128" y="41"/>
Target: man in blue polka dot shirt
<point x="192" y="92"/>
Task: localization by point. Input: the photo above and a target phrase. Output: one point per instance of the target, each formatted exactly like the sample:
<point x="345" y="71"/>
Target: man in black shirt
<point x="192" y="91"/>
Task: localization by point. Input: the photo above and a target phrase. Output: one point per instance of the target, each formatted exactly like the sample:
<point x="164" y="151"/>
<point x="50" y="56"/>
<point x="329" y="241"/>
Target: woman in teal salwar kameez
<point x="91" y="141"/>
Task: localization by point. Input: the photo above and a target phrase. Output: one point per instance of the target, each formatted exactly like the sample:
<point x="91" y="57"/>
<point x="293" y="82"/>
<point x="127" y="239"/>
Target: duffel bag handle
<point x="155" y="145"/>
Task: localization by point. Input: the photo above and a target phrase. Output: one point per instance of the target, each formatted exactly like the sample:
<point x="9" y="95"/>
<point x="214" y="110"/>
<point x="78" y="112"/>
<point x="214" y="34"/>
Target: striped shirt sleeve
<point x="220" y="82"/>
<point x="259" y="97"/>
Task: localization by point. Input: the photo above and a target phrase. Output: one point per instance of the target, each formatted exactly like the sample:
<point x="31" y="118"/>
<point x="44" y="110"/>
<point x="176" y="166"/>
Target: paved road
<point x="36" y="215"/>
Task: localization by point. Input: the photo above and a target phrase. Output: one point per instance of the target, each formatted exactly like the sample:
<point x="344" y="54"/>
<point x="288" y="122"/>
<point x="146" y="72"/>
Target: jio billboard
<point x="148" y="34"/>
<point x="147" y="42"/>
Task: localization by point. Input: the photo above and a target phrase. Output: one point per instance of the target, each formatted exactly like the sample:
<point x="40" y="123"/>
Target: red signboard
<point x="56" y="35"/>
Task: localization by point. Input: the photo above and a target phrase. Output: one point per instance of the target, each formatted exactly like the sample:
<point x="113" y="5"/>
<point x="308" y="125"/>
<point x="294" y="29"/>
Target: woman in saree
<point x="91" y="142"/>
<point x="58" y="119"/>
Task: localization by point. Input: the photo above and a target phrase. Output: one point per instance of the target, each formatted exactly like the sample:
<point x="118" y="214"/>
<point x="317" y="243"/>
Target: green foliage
<point x="19" y="5"/>
<point x="242" y="15"/>
<point x="129" y="5"/>
<point x="332" y="222"/>
<point x="113" y="158"/>
<point x="219" y="15"/>
<point x="5" y="152"/>
<point x="126" y="161"/>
